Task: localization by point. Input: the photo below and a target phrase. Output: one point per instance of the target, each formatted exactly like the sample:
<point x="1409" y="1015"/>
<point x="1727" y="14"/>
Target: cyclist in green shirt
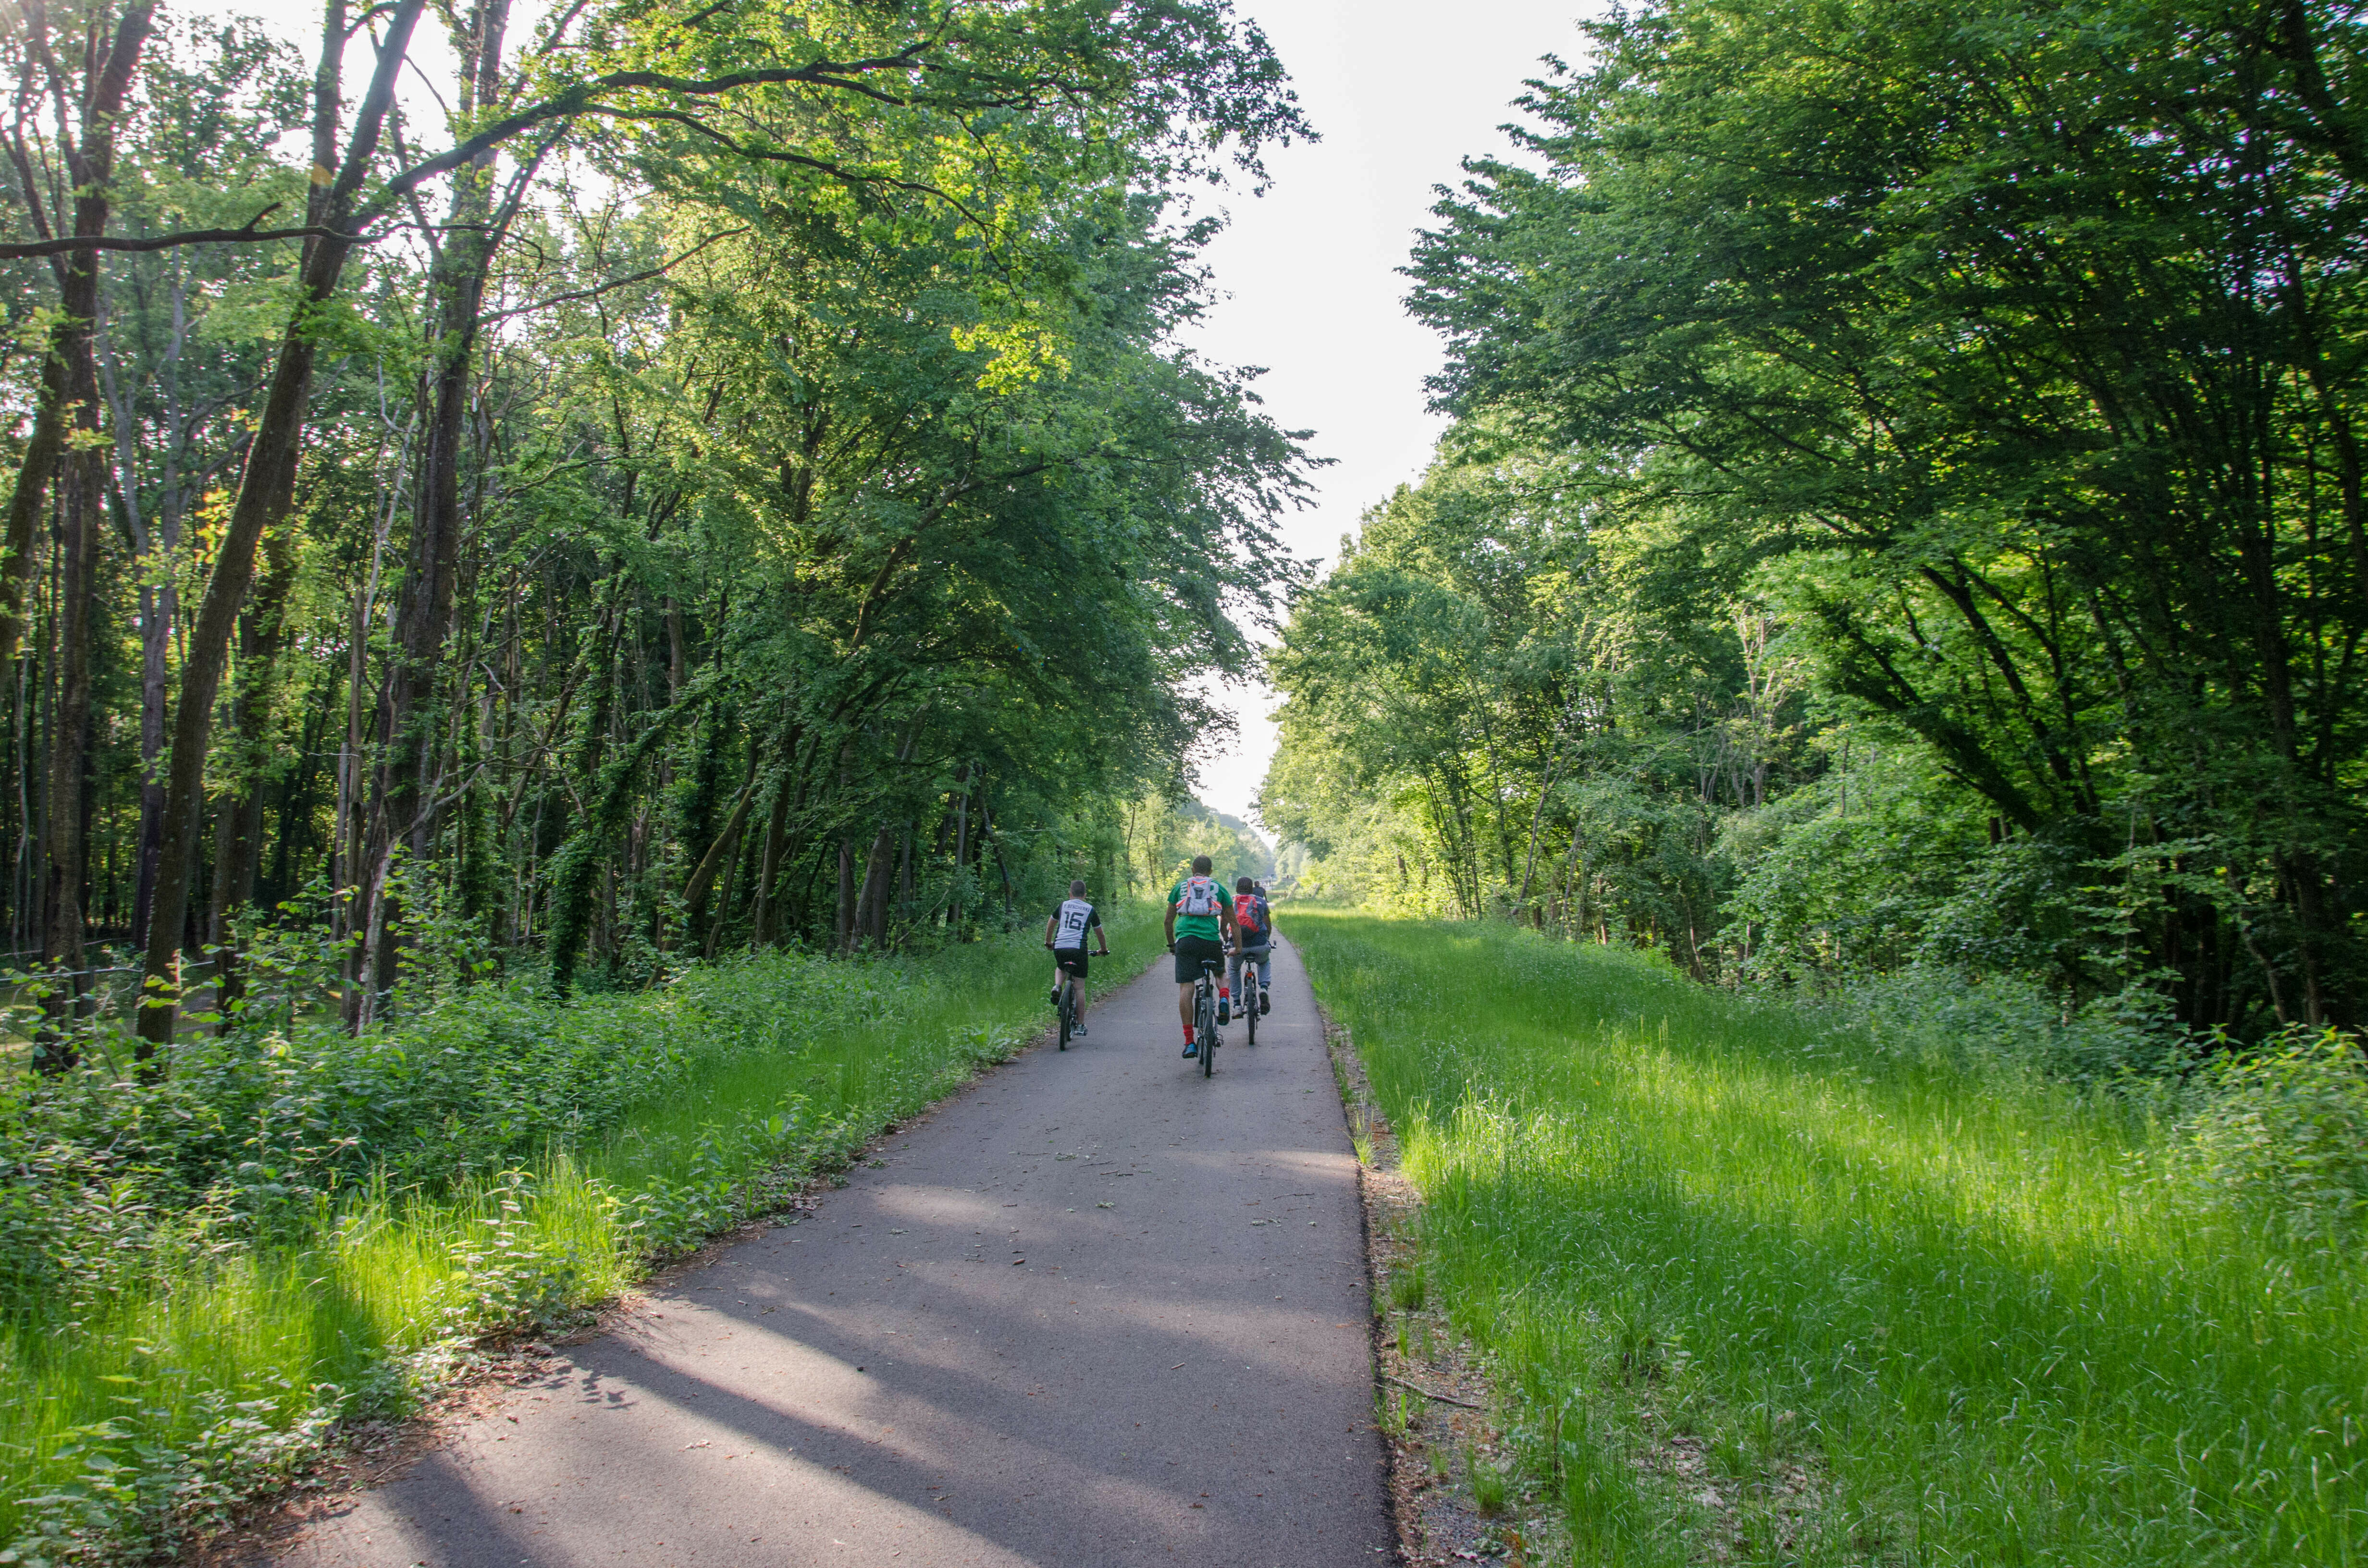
<point x="1200" y="916"/>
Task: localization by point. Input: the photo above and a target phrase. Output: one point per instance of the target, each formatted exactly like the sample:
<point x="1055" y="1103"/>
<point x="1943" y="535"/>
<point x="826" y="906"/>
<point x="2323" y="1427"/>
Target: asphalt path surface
<point x="1093" y="1310"/>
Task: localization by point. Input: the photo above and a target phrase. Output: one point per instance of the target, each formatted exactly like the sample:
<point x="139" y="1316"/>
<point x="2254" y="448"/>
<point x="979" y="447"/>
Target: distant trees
<point x="736" y="483"/>
<point x="1907" y="502"/>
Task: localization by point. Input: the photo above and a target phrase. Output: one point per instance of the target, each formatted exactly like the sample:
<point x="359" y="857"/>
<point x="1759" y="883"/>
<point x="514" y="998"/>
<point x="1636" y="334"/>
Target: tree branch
<point x="249" y="233"/>
<point x="597" y="290"/>
<point x="802" y="160"/>
<point x="583" y="97"/>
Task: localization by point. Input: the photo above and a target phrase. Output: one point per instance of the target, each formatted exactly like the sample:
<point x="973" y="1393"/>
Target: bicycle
<point x="1068" y="1006"/>
<point x="1247" y="1003"/>
<point x="1204" y="1016"/>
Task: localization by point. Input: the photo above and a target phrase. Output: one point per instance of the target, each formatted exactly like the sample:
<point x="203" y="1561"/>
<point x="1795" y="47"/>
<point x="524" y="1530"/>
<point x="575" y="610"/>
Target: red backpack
<point x="1251" y="914"/>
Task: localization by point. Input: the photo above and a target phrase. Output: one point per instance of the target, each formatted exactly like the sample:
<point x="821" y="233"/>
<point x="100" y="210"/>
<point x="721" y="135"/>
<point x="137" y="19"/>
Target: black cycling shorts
<point x="1070" y="961"/>
<point x="1193" y="951"/>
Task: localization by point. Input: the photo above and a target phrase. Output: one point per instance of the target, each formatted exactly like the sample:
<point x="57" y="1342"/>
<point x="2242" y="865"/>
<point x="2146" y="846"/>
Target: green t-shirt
<point x="1198" y="924"/>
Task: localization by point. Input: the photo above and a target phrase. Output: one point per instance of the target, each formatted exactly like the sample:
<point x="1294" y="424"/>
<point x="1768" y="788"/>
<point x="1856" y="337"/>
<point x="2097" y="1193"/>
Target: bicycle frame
<point x="1204" y="1014"/>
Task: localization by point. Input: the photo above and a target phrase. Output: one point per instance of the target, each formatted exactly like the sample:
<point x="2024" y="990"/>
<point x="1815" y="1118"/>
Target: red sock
<point x="1188" y="1034"/>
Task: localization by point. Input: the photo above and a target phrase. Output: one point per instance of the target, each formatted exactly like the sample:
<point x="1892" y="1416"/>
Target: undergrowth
<point x="201" y="1278"/>
<point x="1759" y="1287"/>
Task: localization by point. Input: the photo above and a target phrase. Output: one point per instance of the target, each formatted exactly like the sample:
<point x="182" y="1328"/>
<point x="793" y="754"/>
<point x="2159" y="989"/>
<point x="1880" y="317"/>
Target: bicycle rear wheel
<point x="1069" y="1010"/>
<point x="1249" y="1005"/>
<point x="1208" y="1031"/>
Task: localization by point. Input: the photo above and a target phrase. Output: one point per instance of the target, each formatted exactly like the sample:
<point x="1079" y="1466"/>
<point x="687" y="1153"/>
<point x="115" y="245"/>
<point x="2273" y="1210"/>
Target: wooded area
<point x="577" y="578"/>
<point x="1904" y="511"/>
<point x="730" y="481"/>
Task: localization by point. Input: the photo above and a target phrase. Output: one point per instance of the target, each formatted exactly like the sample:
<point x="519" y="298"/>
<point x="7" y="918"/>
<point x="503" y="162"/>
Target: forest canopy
<point x="729" y="478"/>
<point x="1903" y="509"/>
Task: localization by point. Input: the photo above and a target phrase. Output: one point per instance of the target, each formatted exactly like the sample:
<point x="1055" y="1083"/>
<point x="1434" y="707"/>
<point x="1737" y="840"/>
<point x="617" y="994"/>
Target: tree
<point x="2009" y="359"/>
<point x="999" y="104"/>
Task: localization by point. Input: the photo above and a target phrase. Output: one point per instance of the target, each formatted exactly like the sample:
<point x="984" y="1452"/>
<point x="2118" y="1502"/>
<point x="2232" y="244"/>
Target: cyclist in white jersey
<point x="1065" y="933"/>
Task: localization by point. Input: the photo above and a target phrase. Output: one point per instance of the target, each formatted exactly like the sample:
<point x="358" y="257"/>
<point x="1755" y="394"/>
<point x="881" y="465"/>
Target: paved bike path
<point x="1094" y="1309"/>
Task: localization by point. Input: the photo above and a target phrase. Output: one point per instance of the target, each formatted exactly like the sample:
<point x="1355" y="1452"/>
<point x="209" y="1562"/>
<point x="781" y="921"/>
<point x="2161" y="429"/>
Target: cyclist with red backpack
<point x="1199" y="917"/>
<point x="1253" y="948"/>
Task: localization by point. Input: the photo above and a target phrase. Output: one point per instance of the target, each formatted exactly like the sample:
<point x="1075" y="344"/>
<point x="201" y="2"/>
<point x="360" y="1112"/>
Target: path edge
<point x="1421" y="1507"/>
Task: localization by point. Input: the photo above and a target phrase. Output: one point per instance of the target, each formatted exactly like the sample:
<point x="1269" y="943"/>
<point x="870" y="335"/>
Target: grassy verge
<point x="220" y="1359"/>
<point x="1757" y="1290"/>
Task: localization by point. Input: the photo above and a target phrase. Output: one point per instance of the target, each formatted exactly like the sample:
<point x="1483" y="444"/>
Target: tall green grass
<point x="1761" y="1290"/>
<point x="223" y="1364"/>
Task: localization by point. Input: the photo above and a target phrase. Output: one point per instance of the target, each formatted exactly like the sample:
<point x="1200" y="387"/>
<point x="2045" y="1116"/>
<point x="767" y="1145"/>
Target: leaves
<point x="1989" y="374"/>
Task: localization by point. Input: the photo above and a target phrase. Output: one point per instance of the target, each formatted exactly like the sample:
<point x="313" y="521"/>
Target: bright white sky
<point x="1399" y="91"/>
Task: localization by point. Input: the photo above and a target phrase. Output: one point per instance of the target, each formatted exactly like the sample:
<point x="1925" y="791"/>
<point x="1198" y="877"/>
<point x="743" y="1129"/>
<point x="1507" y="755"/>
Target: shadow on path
<point x="1093" y="1310"/>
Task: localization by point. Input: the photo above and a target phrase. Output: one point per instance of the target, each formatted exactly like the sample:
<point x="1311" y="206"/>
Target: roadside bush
<point x="2281" y="1134"/>
<point x="250" y="1133"/>
<point x="2009" y="1024"/>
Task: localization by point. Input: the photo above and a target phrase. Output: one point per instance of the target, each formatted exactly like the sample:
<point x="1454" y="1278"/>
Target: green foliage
<point x="1906" y="1305"/>
<point x="2282" y="1135"/>
<point x="2015" y="1028"/>
<point x="1233" y="850"/>
<point x="252" y="1132"/>
<point x="1840" y="562"/>
<point x="836" y="486"/>
<point x="1491" y="712"/>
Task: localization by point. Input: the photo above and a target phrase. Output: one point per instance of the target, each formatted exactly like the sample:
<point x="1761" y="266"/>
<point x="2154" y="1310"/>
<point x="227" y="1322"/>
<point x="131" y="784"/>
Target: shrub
<point x="251" y="1134"/>
<point x="2281" y="1133"/>
<point x="1939" y="1017"/>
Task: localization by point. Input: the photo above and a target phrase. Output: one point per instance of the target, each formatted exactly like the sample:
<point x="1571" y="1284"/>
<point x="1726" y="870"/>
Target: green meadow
<point x="1757" y="1287"/>
<point x="218" y="1348"/>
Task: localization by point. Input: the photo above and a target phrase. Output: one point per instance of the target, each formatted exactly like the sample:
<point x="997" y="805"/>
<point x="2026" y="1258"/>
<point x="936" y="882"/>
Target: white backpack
<point x="1200" y="897"/>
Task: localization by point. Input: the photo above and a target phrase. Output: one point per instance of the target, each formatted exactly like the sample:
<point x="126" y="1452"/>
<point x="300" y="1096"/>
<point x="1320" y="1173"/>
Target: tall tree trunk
<point x="907" y="846"/>
<point x="156" y="548"/>
<point x="988" y="837"/>
<point x="158" y="603"/>
<point x="238" y="824"/>
<point x="872" y="903"/>
<point x="29" y="502"/>
<point x="1530" y="861"/>
<point x="88" y="153"/>
<point x="62" y="929"/>
<point x="265" y="491"/>
<point x="719" y="854"/>
<point x="843" y="927"/>
<point x="403" y="808"/>
<point x="572" y="906"/>
<point x="957" y="909"/>
<point x="766" y="920"/>
<point x="351" y="863"/>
